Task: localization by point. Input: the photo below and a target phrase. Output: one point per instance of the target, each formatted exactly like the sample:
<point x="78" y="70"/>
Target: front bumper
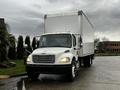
<point x="48" y="69"/>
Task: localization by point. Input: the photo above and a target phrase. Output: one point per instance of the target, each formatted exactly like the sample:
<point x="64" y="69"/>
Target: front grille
<point x="43" y="58"/>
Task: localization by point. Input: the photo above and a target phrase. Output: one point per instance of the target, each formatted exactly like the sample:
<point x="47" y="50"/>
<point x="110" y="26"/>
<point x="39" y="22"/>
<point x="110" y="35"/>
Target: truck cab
<point x="57" y="54"/>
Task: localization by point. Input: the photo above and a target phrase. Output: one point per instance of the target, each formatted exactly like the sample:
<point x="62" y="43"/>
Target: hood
<point x="50" y="50"/>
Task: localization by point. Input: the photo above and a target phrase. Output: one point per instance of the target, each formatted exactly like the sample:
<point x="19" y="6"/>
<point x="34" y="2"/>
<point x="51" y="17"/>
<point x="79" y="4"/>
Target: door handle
<point x="75" y="48"/>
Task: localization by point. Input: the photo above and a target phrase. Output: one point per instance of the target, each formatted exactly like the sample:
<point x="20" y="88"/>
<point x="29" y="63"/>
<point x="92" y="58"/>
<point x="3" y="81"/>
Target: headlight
<point x="29" y="59"/>
<point x="64" y="60"/>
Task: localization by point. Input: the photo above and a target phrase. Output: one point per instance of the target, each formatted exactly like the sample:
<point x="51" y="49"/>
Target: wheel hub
<point x="73" y="71"/>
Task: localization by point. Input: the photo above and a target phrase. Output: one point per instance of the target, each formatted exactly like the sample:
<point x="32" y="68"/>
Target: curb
<point x="17" y="75"/>
<point x="2" y="77"/>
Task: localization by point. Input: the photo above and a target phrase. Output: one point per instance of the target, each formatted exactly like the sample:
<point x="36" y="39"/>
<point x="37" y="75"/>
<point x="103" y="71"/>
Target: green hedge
<point x="107" y="54"/>
<point x="20" y="68"/>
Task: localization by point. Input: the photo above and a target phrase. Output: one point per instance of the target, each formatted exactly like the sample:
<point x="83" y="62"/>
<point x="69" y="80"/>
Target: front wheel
<point x="73" y="72"/>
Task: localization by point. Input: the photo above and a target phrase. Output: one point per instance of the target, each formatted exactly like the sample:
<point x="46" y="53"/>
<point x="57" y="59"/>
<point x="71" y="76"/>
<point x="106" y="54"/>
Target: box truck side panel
<point x="67" y="23"/>
<point x="88" y="37"/>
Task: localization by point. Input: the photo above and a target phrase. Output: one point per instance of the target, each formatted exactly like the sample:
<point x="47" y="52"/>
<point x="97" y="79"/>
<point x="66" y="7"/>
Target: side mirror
<point x="81" y="45"/>
<point x="37" y="40"/>
<point x="27" y="51"/>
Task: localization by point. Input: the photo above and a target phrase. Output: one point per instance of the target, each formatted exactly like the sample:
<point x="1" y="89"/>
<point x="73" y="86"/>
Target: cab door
<point x="77" y="45"/>
<point x="74" y="45"/>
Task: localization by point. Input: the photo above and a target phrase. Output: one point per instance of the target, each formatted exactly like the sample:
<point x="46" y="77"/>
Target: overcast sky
<point x="25" y="17"/>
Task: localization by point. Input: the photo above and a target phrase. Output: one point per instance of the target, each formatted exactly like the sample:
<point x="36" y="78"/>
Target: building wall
<point x="112" y="46"/>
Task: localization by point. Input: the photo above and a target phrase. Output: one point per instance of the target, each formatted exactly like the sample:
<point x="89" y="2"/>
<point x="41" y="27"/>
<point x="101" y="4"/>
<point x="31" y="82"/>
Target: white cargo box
<point x="75" y="23"/>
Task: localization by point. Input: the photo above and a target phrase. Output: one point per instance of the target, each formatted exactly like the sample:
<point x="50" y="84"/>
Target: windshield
<point x="56" y="40"/>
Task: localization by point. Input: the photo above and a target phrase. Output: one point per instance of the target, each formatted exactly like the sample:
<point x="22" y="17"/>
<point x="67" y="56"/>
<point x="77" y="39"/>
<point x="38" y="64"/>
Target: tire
<point x="91" y="61"/>
<point x="73" y="72"/>
<point x="87" y="62"/>
<point x="33" y="76"/>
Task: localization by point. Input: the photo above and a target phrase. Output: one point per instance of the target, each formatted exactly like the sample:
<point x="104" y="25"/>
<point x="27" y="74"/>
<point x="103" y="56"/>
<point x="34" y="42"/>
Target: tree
<point x="105" y="39"/>
<point x="34" y="43"/>
<point x="20" y="48"/>
<point x="12" y="48"/>
<point x="28" y="48"/>
<point x="96" y="42"/>
<point x="27" y="40"/>
<point x="101" y="47"/>
<point x="4" y="42"/>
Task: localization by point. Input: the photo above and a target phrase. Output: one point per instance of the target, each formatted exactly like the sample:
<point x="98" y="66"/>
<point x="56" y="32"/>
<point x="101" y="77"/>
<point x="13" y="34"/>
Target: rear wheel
<point x="87" y="61"/>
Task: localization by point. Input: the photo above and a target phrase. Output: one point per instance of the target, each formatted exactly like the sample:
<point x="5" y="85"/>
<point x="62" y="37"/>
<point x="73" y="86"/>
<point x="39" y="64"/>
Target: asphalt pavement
<point x="103" y="75"/>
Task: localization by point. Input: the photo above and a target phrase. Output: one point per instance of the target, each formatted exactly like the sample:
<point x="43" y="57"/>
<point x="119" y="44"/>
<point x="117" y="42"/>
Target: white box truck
<point x="66" y="45"/>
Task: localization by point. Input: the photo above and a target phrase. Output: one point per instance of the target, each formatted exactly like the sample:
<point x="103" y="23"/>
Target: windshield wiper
<point x="54" y="46"/>
<point x="57" y="46"/>
<point x="42" y="46"/>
